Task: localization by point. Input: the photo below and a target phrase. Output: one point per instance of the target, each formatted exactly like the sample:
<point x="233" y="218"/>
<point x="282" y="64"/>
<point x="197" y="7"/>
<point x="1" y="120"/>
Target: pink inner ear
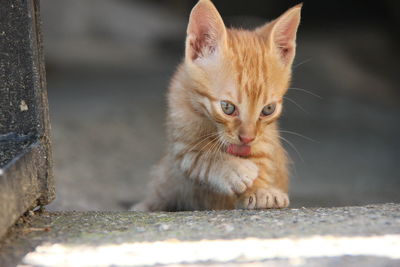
<point x="205" y="30"/>
<point x="201" y="46"/>
<point x="286" y="32"/>
<point x="285" y="45"/>
<point x="285" y="35"/>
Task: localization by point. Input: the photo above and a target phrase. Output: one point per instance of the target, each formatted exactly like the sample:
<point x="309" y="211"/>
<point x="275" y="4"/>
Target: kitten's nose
<point x="246" y="139"/>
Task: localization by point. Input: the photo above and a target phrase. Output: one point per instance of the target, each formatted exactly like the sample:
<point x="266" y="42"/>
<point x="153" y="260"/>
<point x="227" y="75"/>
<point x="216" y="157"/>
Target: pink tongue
<point x="239" y="150"/>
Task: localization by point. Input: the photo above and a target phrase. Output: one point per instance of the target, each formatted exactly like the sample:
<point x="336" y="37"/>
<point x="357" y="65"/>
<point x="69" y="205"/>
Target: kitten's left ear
<point x="282" y="33"/>
<point x="206" y="32"/>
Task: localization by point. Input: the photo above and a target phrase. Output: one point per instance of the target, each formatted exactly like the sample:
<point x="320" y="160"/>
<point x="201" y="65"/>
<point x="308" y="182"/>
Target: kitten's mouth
<point x="239" y="150"/>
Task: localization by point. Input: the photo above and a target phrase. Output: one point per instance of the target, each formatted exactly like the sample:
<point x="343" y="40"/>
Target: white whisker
<point x="293" y="147"/>
<point x="294" y="102"/>
<point x="302" y="62"/>
<point x="205" y="137"/>
<point x="305" y="91"/>
<point x="204" y="147"/>
<point x="300" y="135"/>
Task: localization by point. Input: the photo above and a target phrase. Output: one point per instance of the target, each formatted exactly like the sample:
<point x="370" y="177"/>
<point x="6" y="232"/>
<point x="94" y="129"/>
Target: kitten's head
<point x="239" y="77"/>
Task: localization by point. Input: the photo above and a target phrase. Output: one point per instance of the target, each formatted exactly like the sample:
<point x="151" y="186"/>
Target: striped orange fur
<point x="216" y="160"/>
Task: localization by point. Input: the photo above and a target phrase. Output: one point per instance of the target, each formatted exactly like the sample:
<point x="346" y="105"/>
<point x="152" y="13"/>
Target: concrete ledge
<point x="368" y="235"/>
<point x="23" y="185"/>
<point x="26" y="178"/>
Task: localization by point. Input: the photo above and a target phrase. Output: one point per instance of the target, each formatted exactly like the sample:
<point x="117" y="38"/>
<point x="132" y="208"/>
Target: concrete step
<point x="346" y="236"/>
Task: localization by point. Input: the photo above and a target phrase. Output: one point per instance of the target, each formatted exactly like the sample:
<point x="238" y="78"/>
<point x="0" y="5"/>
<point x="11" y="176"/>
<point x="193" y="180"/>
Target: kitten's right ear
<point x="282" y="33"/>
<point x="206" y="32"/>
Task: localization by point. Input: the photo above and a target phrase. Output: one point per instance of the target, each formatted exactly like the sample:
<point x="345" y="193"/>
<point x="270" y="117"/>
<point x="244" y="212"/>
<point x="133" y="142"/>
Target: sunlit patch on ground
<point x="218" y="251"/>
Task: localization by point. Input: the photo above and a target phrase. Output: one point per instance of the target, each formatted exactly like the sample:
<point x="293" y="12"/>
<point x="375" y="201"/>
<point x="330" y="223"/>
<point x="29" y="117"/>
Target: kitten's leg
<point x="263" y="198"/>
<point x="155" y="202"/>
<point x="270" y="188"/>
<point x="141" y="206"/>
<point x="161" y="194"/>
<point x="222" y="173"/>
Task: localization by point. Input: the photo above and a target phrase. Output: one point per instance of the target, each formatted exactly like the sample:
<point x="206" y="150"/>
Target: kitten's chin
<point x="239" y="150"/>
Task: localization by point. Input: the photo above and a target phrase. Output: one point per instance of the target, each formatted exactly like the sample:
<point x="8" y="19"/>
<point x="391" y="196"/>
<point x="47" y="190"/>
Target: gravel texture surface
<point x="97" y="231"/>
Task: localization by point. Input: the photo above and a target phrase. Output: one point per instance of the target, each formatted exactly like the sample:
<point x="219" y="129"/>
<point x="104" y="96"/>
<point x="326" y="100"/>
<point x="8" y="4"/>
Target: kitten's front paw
<point x="239" y="175"/>
<point x="264" y="198"/>
<point x="140" y="207"/>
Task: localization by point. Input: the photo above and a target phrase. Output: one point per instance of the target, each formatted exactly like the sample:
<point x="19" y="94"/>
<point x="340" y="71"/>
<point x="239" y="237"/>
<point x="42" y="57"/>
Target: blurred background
<point x="109" y="65"/>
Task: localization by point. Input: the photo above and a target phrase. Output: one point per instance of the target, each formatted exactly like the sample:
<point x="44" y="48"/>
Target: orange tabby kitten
<point x="224" y="150"/>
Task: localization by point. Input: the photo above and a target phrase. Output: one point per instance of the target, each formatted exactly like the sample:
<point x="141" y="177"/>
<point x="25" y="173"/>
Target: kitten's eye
<point x="227" y="107"/>
<point x="268" y="109"/>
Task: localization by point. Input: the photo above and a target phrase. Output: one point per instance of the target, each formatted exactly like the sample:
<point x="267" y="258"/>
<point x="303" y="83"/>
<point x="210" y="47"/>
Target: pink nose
<point x="245" y="139"/>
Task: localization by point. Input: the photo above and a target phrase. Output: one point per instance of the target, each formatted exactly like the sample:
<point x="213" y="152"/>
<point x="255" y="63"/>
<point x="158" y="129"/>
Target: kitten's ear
<point x="206" y="32"/>
<point x="282" y="33"/>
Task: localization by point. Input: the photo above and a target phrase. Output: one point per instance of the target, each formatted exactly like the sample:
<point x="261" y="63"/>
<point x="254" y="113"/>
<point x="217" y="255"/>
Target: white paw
<point x="239" y="175"/>
<point x="264" y="198"/>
